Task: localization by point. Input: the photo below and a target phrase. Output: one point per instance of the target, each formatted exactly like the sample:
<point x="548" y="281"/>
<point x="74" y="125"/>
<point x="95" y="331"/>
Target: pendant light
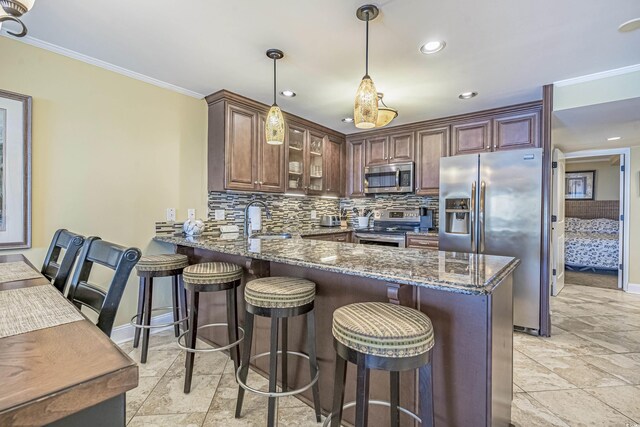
<point x="385" y="114"/>
<point x="274" y="126"/>
<point x="365" y="110"/>
<point x="12" y="10"/>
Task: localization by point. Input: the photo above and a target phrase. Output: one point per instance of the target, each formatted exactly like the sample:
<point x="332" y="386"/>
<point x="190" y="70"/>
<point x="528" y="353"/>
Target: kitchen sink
<point x="271" y="236"/>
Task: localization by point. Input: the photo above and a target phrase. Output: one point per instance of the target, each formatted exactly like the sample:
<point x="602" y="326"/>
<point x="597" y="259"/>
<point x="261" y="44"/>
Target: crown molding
<point x="598" y="76"/>
<point x="102" y="64"/>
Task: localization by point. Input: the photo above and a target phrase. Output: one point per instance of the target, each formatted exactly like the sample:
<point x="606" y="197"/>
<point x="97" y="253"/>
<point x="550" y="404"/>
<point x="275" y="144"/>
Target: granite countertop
<point x="447" y="271"/>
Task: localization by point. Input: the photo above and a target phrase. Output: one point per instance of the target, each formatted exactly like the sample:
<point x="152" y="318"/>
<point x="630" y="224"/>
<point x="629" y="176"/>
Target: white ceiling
<point x="587" y="128"/>
<point x="504" y="49"/>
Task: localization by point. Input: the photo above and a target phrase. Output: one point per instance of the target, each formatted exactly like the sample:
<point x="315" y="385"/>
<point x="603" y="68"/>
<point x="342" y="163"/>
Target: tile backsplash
<point x="291" y="211"/>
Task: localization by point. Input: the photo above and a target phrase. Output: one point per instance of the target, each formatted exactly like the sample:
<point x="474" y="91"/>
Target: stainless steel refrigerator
<point x="491" y="203"/>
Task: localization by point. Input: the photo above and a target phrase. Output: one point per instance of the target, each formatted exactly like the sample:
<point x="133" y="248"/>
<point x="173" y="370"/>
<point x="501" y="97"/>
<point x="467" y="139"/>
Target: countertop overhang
<point x="447" y="271"/>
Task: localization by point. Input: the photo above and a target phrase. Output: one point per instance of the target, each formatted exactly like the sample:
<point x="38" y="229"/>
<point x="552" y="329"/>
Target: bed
<point x="591" y="244"/>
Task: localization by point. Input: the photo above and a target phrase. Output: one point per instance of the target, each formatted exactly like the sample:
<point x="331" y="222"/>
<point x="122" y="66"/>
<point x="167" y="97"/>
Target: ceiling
<point x="587" y="128"/>
<point x="504" y="49"/>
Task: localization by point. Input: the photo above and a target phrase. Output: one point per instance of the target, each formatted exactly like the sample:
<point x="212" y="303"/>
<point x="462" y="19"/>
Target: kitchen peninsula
<point x="468" y="298"/>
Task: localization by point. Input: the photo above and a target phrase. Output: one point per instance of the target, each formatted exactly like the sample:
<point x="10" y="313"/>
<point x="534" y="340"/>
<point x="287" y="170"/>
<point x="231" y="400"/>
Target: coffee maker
<point x="426" y="218"/>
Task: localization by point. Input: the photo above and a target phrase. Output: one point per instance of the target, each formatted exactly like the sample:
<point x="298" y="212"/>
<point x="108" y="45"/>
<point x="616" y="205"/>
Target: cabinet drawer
<point x="422" y="242"/>
<point x="343" y="237"/>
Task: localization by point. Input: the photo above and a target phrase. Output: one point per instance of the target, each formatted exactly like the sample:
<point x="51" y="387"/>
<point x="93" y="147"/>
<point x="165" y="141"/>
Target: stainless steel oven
<point x="394" y="240"/>
<point x="385" y="179"/>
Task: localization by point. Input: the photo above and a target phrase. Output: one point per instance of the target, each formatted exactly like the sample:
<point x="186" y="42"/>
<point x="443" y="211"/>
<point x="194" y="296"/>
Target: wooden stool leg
<point x="146" y="318"/>
<point x="183" y="303"/>
<point x="273" y="372"/>
<point x="426" y="394"/>
<point x="285" y="359"/>
<point x="232" y="326"/>
<point x="141" y="296"/>
<point x="362" y="393"/>
<point x="338" y="391"/>
<point x="313" y="361"/>
<point x="176" y="305"/>
<point x="395" y="398"/>
<point x="191" y="341"/>
<point x="246" y="354"/>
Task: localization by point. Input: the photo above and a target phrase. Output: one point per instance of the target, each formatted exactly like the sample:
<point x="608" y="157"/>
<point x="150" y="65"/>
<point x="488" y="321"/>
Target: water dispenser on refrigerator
<point x="458" y="216"/>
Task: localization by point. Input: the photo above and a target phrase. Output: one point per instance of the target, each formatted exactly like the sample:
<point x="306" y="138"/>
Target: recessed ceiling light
<point x="468" y="95"/>
<point x="288" y="93"/>
<point x="614" y="138"/>
<point x="432" y="47"/>
<point x="348" y="120"/>
<point x="632" y="25"/>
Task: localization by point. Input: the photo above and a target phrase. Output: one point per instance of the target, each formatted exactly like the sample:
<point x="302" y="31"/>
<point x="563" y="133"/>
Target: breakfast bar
<point x="468" y="298"/>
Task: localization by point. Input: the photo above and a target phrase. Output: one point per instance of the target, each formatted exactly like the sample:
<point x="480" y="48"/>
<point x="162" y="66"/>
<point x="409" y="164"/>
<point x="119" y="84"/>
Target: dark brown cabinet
<point x="240" y="148"/>
<point x="516" y="131"/>
<point x="422" y="242"/>
<point x="270" y="165"/>
<point x="431" y="145"/>
<point x="471" y="137"/>
<point x="339" y="236"/>
<point x="376" y="151"/>
<point x="334" y="160"/>
<point x="355" y="168"/>
<point x="401" y="148"/>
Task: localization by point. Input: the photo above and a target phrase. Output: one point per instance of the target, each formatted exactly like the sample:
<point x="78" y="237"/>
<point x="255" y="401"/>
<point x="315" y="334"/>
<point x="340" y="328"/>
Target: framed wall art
<point x="579" y="185"/>
<point x="15" y="170"/>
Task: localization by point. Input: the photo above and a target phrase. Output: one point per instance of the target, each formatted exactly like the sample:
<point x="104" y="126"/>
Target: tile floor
<point x="586" y="374"/>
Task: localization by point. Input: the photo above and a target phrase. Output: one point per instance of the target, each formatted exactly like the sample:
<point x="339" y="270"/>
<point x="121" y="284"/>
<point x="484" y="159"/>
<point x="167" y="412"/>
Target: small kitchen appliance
<point x="330" y="221"/>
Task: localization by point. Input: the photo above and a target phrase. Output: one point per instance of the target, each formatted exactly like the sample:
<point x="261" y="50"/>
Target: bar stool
<point x="211" y="277"/>
<point x="148" y="268"/>
<point x="387" y="337"/>
<point x="279" y="298"/>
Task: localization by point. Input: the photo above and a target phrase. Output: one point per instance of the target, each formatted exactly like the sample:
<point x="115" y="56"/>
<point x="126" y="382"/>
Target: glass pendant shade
<point x="274" y="126"/>
<point x="365" y="110"/>
<point x="385" y="116"/>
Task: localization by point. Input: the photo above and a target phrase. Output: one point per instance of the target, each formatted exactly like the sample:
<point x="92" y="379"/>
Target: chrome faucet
<point x="246" y="214"/>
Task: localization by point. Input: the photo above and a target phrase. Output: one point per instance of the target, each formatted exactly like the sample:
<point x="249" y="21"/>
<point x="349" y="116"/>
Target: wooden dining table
<point x="66" y="375"/>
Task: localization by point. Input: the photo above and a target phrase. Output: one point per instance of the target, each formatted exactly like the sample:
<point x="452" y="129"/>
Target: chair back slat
<point x="115" y="257"/>
<point x="55" y="269"/>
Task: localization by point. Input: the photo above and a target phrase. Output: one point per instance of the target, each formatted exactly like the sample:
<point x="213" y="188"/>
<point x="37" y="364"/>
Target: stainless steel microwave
<point x="386" y="179"/>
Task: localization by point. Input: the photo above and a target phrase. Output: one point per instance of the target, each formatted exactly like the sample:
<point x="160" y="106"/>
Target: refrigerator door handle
<point x="472" y="214"/>
<point x="483" y="190"/>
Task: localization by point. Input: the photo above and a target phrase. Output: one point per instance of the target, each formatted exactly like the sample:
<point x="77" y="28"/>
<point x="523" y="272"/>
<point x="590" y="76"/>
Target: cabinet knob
<point x="260" y="182"/>
<point x="495" y="146"/>
<point x="255" y="182"/>
<point x="488" y="147"/>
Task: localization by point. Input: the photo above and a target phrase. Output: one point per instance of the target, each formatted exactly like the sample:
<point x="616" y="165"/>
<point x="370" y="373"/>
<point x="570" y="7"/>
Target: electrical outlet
<point x="171" y="214"/>
<point x="219" y="215"/>
<point x="191" y="213"/>
<point x="314" y="214"/>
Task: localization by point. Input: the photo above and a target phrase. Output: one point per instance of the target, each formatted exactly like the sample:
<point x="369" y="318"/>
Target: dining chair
<point x="57" y="268"/>
<point x="83" y="294"/>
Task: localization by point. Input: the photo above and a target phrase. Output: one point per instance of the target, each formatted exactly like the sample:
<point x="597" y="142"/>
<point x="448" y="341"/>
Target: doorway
<point x="590" y="210"/>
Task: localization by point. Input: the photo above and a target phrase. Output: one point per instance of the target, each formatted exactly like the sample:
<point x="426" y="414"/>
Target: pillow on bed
<point x="598" y="225"/>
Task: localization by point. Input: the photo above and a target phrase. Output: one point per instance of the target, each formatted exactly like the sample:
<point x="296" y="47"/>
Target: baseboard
<point x="633" y="288"/>
<point x="125" y="332"/>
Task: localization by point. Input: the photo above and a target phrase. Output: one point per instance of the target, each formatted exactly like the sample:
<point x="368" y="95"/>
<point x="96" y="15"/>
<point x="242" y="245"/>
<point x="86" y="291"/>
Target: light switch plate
<point x="191" y="213"/>
<point x="314" y="214"/>
<point x="219" y="215"/>
<point x="171" y="214"/>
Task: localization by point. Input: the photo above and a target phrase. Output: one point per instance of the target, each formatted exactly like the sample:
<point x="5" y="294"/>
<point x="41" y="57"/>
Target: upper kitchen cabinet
<point x="240" y="159"/>
<point x="386" y="149"/>
<point x="471" y="137"/>
<point x="334" y="166"/>
<point x="517" y="130"/>
<point x="355" y="168"/>
<point x="431" y="145"/>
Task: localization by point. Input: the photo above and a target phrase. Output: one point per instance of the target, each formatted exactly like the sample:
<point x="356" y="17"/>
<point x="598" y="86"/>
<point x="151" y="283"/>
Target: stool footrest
<point x="134" y="323"/>
<point x="214" y="349"/>
<point x="348" y="405"/>
<point x="278" y="393"/>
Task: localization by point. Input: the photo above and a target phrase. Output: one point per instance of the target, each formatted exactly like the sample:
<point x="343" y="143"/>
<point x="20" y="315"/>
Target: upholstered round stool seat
<point x="164" y="262"/>
<point x="279" y="292"/>
<point x="383" y="329"/>
<point x="209" y="273"/>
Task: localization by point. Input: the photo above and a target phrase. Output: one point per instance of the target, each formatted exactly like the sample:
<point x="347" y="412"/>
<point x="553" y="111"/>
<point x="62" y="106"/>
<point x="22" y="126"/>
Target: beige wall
<point x="634" y="216"/>
<point x="110" y="153"/>
<point x="607" y="178"/>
